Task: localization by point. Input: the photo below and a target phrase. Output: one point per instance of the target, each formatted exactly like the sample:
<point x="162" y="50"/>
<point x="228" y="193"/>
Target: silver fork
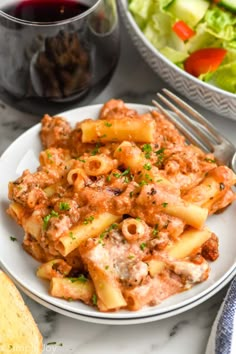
<point x="196" y="128"/>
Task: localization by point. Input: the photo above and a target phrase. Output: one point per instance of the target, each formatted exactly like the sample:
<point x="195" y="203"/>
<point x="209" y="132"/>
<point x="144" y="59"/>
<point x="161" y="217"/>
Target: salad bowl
<point x="207" y="94"/>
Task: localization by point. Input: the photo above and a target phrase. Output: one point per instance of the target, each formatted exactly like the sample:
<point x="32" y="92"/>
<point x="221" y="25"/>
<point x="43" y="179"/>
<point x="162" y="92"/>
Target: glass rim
<point x="51" y="23"/>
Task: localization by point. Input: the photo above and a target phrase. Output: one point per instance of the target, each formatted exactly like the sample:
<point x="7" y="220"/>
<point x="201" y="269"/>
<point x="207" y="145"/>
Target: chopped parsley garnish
<point x="210" y="160"/>
<point x="94" y="299"/>
<point x="64" y="206"/>
<point x="88" y="220"/>
<point x="145" y="181"/>
<point x="72" y="236"/>
<point x="54" y="213"/>
<point x="131" y="194"/>
<point x="160" y="151"/>
<point x="122" y="174"/>
<point x="113" y="226"/>
<point x="160" y="156"/>
<point x="49" y="155"/>
<point x="148" y="177"/>
<point x="103" y="234"/>
<point x="107" y="267"/>
<point x="131" y="256"/>
<point x="81" y="160"/>
<point x="147" y="166"/>
<point x="108" y="178"/>
<point x="13" y="238"/>
<point x="95" y="151"/>
<point x="101" y="242"/>
<point x="107" y="124"/>
<point x="46" y="218"/>
<point x="125" y="172"/>
<point x="143" y="246"/>
<point x="80" y="278"/>
<point x="138" y="218"/>
<point x="164" y="204"/>
<point x="147" y="149"/>
<point x="155" y="230"/>
<point x="119" y="150"/>
<point x="73" y="280"/>
<point x="117" y="175"/>
<point x="55" y="343"/>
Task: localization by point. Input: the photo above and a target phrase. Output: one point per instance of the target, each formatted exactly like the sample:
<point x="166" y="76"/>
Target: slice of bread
<point x="18" y="330"/>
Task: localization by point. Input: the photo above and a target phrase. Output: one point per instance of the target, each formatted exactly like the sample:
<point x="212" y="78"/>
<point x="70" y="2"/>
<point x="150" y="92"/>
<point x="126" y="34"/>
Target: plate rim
<point x="126" y="321"/>
<point x="132" y="315"/>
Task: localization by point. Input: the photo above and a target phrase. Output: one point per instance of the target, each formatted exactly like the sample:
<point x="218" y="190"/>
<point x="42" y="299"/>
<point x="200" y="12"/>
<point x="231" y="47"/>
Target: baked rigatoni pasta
<point x="116" y="211"/>
<point x="190" y="241"/>
<point x="104" y="276"/>
<point x="70" y="289"/>
<point x="91" y="226"/>
<point x="56" y="268"/>
<point x="130" y="129"/>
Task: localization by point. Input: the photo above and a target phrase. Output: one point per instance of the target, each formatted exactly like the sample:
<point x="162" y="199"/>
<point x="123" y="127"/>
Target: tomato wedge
<point x="182" y="30"/>
<point x="204" y="60"/>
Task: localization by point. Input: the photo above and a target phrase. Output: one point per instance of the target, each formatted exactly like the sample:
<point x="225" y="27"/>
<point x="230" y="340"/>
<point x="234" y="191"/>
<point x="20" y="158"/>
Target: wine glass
<point x="56" y="54"/>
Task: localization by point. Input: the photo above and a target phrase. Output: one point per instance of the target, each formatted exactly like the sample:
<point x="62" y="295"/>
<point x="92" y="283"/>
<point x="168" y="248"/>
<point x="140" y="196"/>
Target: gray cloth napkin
<point x="222" y="339"/>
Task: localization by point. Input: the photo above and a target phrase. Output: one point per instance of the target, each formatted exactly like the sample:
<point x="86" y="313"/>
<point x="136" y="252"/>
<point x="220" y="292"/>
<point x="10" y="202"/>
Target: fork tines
<point x="188" y="121"/>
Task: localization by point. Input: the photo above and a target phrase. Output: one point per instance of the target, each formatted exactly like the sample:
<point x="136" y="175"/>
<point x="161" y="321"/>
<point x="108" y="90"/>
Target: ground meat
<point x="210" y="249"/>
<point x="116" y="109"/>
<point x="54" y="132"/>
<point x="58" y="225"/>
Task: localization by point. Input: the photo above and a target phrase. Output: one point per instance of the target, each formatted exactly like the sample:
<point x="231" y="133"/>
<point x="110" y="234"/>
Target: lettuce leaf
<point x="158" y="30"/>
<point x="141" y="8"/>
<point x="202" y="39"/>
<point x="221" y="24"/>
<point x="173" y="55"/>
<point x="216" y="29"/>
<point x="224" y="77"/>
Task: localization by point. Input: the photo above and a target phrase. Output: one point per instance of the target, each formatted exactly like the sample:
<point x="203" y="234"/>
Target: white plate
<point x="22" y="154"/>
<point x="126" y="321"/>
<point x="208" y="96"/>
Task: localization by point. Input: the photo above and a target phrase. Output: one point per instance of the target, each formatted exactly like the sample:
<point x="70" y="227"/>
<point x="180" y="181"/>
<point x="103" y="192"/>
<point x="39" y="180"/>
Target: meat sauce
<point x="47" y="198"/>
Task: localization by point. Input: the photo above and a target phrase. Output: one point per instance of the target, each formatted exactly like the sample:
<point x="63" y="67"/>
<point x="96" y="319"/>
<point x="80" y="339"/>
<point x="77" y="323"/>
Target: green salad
<point x="197" y="35"/>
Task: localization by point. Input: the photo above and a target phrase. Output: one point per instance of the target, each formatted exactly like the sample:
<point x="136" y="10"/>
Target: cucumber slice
<point x="189" y="11"/>
<point x="229" y="4"/>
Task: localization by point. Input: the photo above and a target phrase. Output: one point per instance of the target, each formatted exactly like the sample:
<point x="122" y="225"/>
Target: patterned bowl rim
<point x="196" y="81"/>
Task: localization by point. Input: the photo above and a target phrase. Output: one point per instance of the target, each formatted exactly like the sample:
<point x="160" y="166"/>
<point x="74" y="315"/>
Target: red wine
<point x="60" y="64"/>
<point x="45" y="10"/>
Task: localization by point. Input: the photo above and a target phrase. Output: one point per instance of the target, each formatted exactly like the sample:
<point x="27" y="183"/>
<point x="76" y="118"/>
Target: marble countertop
<point x="188" y="332"/>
